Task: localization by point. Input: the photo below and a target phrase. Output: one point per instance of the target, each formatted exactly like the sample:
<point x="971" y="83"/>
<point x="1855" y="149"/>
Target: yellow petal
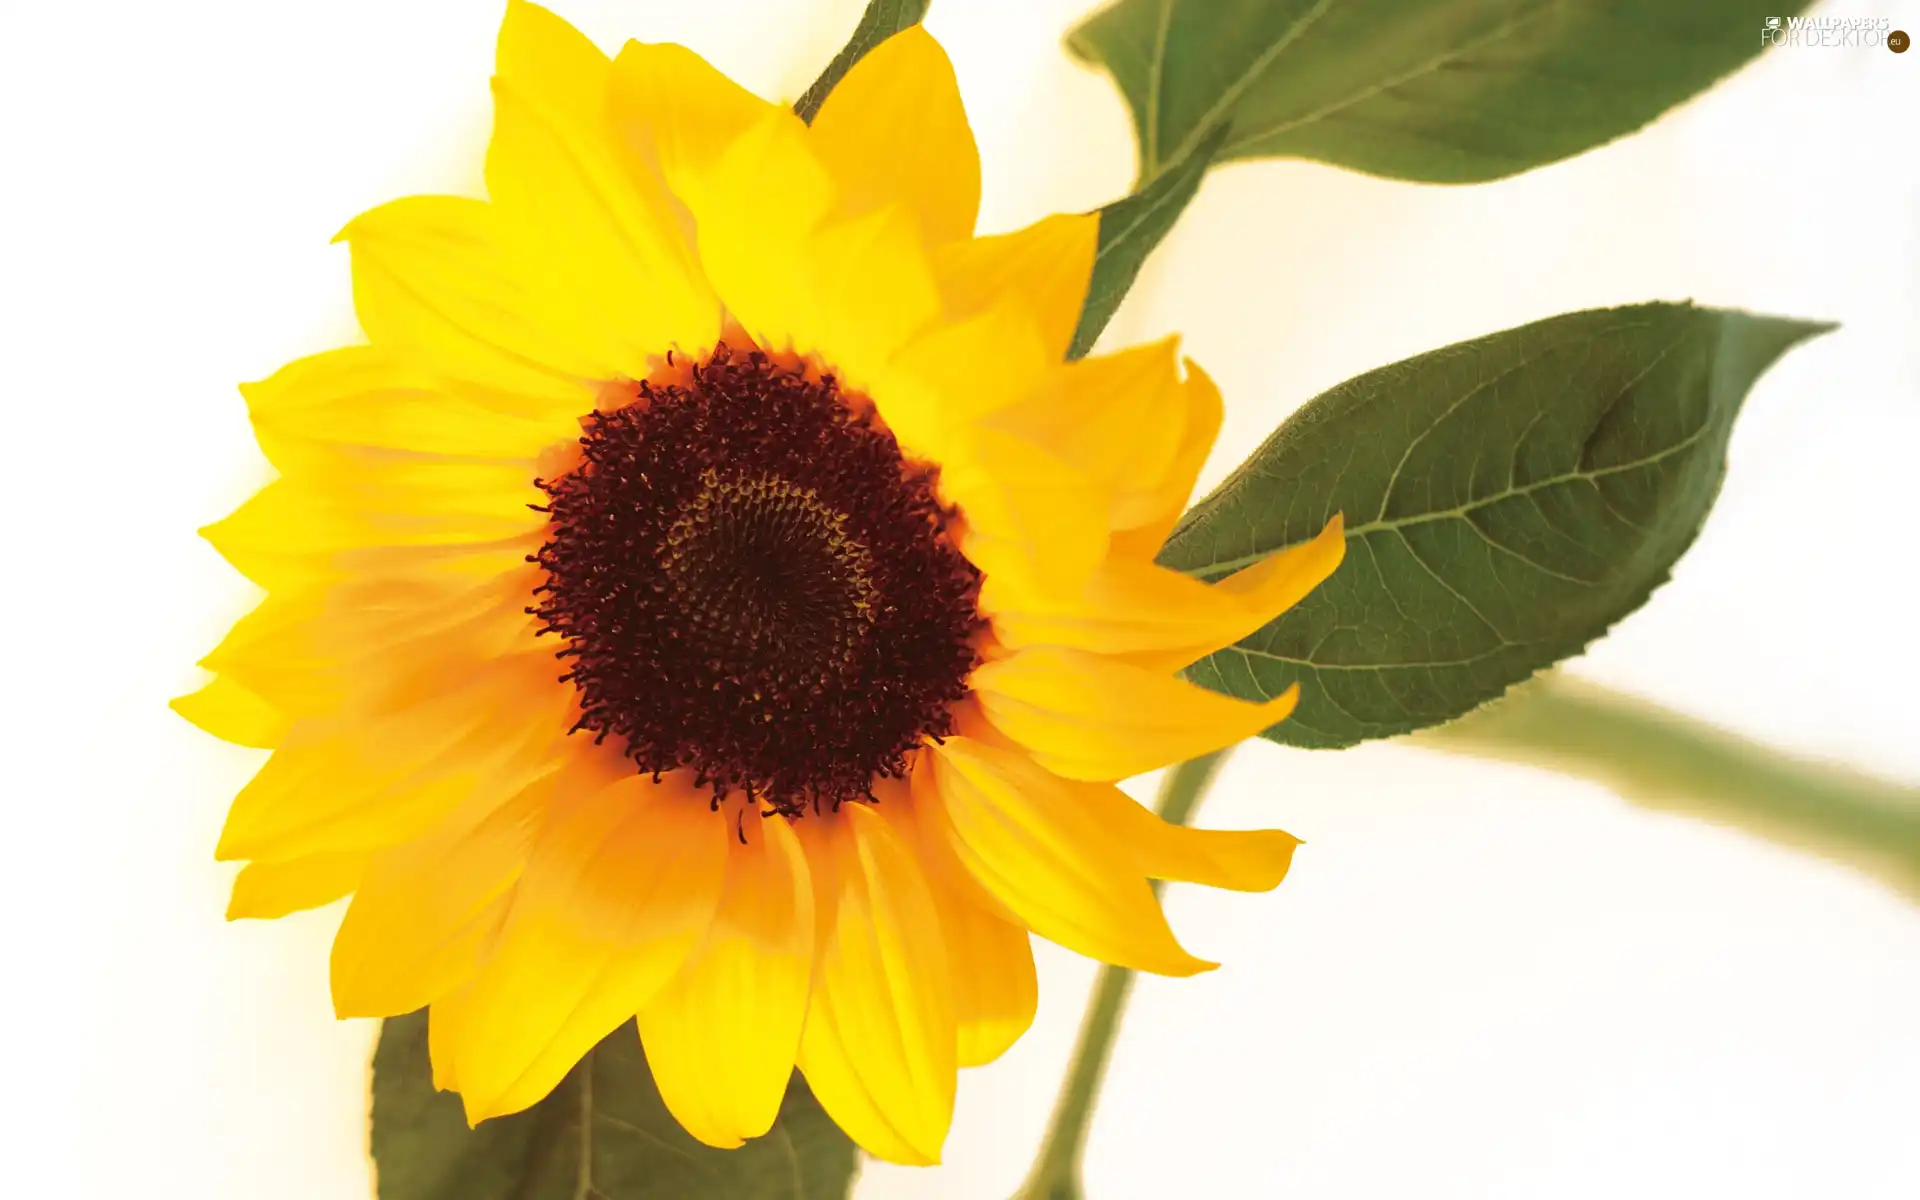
<point x="270" y="652"/>
<point x="552" y="62"/>
<point x="870" y="288"/>
<point x="759" y="191"/>
<point x="721" y="1038"/>
<point x="893" y="131"/>
<point x="423" y="914"/>
<point x="604" y="241"/>
<point x="1033" y="524"/>
<point x="848" y="292"/>
<point x="826" y="1059"/>
<point x="251" y="550"/>
<point x="1134" y="426"/>
<point x="370" y="648"/>
<point x="379" y="499"/>
<point x="376" y="645"/>
<point x="1085" y="716"/>
<point x="673" y="110"/>
<point x="272" y="890"/>
<point x="1253" y="860"/>
<point x="755" y="203"/>
<point x="379" y="397"/>
<point x="1117" y="416"/>
<point x="1044" y="268"/>
<point x="446" y="1023"/>
<point x="1282" y="579"/>
<point x="1163" y="620"/>
<point x="880" y="1041"/>
<point x="350" y="784"/>
<point x="956" y="373"/>
<point x="1160" y="499"/>
<point x="989" y="951"/>
<point x="1026" y="836"/>
<point x="436" y="275"/>
<point x="231" y="713"/>
<point x="995" y="991"/>
<point x="396" y="503"/>
<point x="620" y="889"/>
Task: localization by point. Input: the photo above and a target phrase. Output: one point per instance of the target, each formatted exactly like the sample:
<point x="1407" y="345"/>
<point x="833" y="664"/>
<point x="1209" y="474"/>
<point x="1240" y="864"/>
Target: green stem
<point x="1056" y="1173"/>
<point x="1649" y="755"/>
<point x="1663" y="760"/>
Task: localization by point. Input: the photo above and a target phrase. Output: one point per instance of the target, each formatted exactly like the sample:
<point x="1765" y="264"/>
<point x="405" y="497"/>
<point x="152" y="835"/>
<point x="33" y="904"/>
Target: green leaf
<point x="1445" y="91"/>
<point x="882" y="20"/>
<point x="1507" y="499"/>
<point x="1130" y="228"/>
<point x="602" y="1135"/>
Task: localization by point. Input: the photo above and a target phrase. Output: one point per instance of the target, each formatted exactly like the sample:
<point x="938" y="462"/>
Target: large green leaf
<point x="602" y="1135"/>
<point x="1507" y="499"/>
<point x="1447" y="91"/>
<point x="882" y="20"/>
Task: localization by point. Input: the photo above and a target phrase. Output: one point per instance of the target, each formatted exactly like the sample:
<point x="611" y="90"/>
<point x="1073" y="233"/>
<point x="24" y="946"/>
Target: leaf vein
<point x="1488" y="537"/>
<point x="1601" y="494"/>
<point x="1237" y="144"/>
<point x="1156" y="74"/>
<point x="1231" y="94"/>
<point x="1456" y="592"/>
<point x="644" y="1135"/>
<point x="1439" y="663"/>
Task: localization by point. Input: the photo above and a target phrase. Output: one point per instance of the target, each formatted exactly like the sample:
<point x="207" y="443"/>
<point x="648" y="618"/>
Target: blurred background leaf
<point x="1507" y="500"/>
<point x="1664" y="760"/>
<point x="603" y="1134"/>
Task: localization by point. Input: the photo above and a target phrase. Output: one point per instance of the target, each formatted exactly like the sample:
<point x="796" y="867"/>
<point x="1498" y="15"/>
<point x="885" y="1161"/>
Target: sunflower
<point x="711" y="597"/>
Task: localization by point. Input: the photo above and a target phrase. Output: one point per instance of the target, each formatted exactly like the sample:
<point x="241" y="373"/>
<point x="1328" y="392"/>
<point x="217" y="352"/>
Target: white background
<point x="1479" y="982"/>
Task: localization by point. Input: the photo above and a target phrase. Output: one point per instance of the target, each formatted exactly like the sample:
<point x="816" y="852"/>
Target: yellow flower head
<point x="711" y="596"/>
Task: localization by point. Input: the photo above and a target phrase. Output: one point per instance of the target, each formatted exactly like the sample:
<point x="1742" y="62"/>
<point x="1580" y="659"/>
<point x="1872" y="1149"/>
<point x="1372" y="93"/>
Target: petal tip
<point x="475" y="1110"/>
<point x="1281" y="706"/>
<point x="231" y="847"/>
<point x="1193" y="966"/>
<point x="719" y="1141"/>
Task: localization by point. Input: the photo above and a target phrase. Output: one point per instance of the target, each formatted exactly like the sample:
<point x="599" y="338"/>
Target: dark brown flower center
<point x="752" y="583"/>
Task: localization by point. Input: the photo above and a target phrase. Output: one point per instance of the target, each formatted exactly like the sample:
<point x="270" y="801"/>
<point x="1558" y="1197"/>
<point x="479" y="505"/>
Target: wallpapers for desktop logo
<point x="1833" y="31"/>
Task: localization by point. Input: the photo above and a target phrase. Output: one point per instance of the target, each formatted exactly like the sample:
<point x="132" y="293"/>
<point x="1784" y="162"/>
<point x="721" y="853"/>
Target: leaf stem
<point x="1056" y="1172"/>
<point x="1663" y="760"/>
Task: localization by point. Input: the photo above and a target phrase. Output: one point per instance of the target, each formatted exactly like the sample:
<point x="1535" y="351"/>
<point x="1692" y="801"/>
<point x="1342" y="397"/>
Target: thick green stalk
<point x="1663" y="760"/>
<point x="1056" y="1172"/>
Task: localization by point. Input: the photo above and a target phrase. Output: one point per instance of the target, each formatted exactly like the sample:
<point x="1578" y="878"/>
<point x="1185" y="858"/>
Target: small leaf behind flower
<point x="1130" y="228"/>
<point x="1444" y="91"/>
<point x="603" y="1134"/>
<point x="882" y="20"/>
<point x="1507" y="500"/>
